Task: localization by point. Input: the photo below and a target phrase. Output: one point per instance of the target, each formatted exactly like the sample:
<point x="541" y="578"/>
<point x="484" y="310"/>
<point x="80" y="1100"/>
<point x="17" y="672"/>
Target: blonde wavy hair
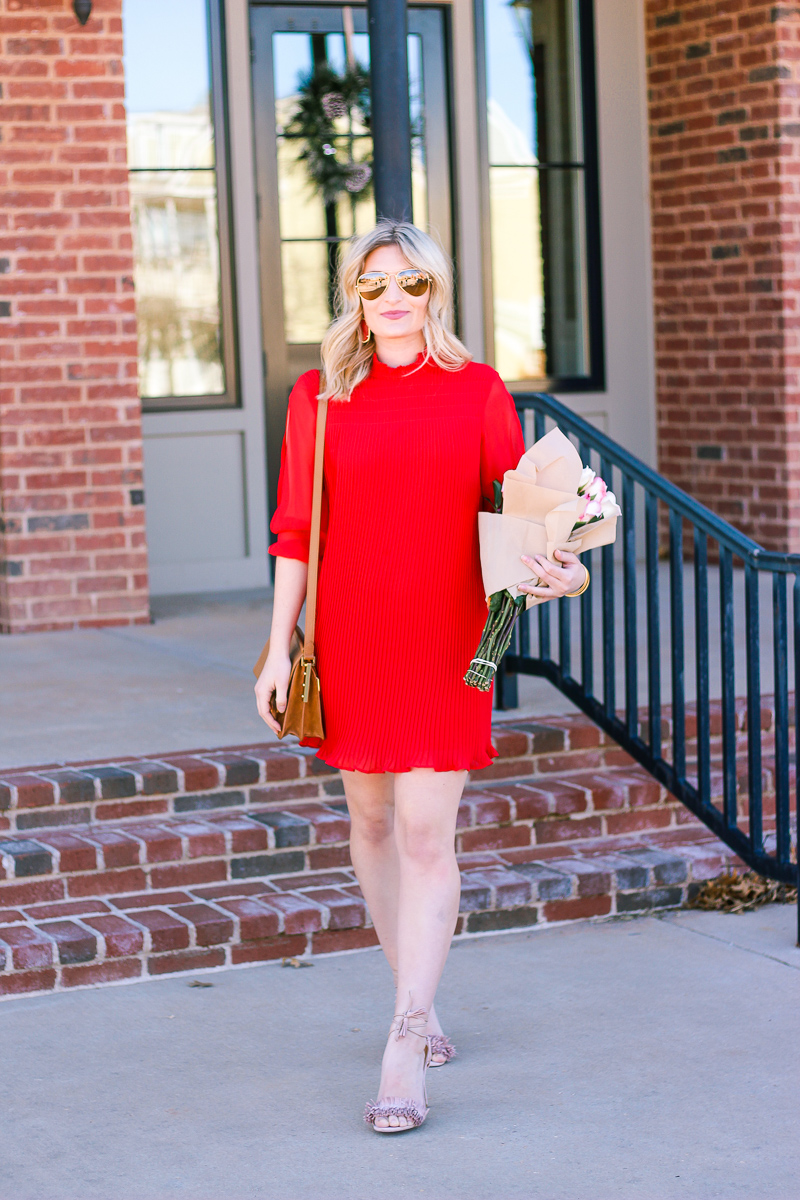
<point x="346" y="360"/>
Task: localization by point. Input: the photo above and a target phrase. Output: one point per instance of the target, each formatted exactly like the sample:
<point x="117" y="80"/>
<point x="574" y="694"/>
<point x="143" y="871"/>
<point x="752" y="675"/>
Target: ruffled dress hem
<point x="371" y="767"/>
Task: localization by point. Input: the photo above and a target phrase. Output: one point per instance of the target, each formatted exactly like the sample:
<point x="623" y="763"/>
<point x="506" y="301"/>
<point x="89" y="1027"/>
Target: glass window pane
<point x="173" y="198"/>
<point x="419" y="189"/>
<point x="536" y="189"/>
<point x="561" y="196"/>
<point x="305" y="291"/>
<point x="167" y="94"/>
<point x="538" y="272"/>
<point x="174" y="216"/>
<point x="292" y="60"/>
<point x="517" y="273"/>
<point x="509" y="82"/>
<point x="554" y="32"/>
<point x="302" y="213"/>
<point x="161" y="140"/>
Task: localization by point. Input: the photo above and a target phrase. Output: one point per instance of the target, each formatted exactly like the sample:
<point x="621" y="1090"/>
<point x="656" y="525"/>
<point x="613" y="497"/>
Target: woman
<point x="416" y="434"/>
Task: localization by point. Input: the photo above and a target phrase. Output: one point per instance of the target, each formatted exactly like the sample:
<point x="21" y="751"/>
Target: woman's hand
<point x="290" y="590"/>
<point x="273" y="678"/>
<point x="555" y="579"/>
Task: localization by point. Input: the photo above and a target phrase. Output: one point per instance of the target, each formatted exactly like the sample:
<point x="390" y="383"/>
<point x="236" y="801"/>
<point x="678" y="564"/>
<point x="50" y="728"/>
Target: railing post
<point x="730" y="799"/>
<point x="752" y="656"/>
<point x="653" y="626"/>
<point x="796" y="619"/>
<point x="607" y="608"/>
<point x="391" y="122"/>
<point x="780" y="667"/>
<point x="629" y="607"/>
<point x="677" y="643"/>
<point x="587" y="608"/>
<point x="701" y="665"/>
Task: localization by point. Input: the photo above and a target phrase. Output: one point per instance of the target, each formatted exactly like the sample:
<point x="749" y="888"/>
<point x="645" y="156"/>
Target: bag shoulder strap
<point x="313" y="541"/>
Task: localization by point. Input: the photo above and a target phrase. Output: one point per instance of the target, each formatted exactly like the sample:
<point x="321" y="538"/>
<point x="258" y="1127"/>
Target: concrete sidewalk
<point x="653" y="1059"/>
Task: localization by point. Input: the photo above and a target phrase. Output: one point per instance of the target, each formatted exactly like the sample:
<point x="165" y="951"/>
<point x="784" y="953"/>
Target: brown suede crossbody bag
<point x="303" y="715"/>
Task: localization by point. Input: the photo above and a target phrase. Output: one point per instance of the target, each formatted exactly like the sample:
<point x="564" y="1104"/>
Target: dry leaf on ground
<point x="742" y="893"/>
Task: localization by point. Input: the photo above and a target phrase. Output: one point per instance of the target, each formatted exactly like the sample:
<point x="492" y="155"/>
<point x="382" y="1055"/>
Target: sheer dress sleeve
<point x="291" y="521"/>
<point x="502" y="443"/>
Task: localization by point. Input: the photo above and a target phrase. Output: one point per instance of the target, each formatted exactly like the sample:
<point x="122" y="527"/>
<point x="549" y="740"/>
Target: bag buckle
<point x="308" y="667"/>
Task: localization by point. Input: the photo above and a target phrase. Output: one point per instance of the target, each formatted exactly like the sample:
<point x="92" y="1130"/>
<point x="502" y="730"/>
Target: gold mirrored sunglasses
<point x="374" y="283"/>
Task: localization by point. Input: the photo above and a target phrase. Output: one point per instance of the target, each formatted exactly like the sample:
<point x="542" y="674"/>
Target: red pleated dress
<point x="409" y="462"/>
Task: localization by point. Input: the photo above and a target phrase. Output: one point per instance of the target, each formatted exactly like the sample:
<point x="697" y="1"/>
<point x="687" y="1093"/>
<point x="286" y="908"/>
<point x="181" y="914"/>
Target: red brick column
<point x="724" y="140"/>
<point x="72" y="546"/>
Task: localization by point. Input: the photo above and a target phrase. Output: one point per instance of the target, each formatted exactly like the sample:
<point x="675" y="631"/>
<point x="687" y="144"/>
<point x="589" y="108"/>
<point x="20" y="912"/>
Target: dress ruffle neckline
<point x="381" y="370"/>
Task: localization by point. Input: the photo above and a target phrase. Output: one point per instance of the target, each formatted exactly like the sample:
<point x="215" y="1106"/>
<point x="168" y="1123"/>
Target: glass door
<point x="313" y="170"/>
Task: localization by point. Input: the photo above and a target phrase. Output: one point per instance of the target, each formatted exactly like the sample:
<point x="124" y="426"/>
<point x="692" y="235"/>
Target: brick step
<point x="244" y="778"/>
<point x="131" y="935"/>
<point x="114" y="871"/>
<point x="54" y="795"/>
<point x="242" y="840"/>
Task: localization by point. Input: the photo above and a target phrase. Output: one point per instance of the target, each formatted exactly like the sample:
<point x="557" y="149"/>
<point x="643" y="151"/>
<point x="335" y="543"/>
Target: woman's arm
<point x="290" y="592"/>
<point x="502" y="447"/>
<point x="292" y="524"/>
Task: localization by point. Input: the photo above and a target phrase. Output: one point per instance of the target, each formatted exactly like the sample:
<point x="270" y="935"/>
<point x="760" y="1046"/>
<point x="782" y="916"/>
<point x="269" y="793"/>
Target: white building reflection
<point x="177" y="270"/>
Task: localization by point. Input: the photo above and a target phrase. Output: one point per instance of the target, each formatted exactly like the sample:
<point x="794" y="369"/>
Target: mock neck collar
<point x="381" y="370"/>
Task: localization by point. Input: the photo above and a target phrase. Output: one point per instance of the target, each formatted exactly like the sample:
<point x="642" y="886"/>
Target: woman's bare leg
<point x="426" y="807"/>
<point x="373" y="849"/>
<point x="370" y="802"/>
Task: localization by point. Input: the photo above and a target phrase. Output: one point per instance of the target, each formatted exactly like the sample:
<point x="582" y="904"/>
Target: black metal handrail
<point x="715" y="556"/>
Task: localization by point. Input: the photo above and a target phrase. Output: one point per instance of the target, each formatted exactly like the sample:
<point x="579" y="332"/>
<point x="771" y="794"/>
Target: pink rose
<point x="593" y="508"/>
<point x="598" y="489"/>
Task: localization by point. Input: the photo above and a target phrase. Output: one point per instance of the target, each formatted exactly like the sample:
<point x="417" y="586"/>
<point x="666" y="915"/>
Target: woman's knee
<point x="370" y="803"/>
<point x="373" y="824"/>
<point x="425" y="845"/>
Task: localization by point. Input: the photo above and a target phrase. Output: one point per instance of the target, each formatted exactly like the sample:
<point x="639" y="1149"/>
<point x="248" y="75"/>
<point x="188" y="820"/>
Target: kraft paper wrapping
<point x="545" y="455"/>
<point x="540" y="507"/>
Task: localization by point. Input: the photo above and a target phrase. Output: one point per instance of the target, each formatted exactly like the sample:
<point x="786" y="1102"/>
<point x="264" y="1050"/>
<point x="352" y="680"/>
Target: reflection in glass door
<point x="317" y="117"/>
<point x="314" y="175"/>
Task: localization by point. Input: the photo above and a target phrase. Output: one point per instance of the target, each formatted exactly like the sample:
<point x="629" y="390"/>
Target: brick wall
<point x="72" y="546"/>
<point x="724" y="142"/>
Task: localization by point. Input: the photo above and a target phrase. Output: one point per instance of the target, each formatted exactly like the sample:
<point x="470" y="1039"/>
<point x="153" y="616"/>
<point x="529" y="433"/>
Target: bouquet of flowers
<point x="550" y="502"/>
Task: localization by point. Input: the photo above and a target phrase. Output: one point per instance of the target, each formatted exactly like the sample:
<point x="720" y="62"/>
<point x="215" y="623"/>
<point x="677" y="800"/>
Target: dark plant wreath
<point x="324" y="98"/>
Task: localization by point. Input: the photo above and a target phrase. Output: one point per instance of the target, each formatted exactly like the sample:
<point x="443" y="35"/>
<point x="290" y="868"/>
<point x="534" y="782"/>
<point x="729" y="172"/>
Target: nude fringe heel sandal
<point x="441" y="1045"/>
<point x="394" y="1106"/>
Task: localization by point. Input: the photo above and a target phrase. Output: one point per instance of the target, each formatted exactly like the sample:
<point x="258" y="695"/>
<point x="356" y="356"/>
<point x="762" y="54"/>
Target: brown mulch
<point x="742" y="893"/>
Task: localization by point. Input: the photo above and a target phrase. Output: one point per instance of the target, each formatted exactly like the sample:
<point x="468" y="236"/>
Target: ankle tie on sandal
<point x="415" y="1014"/>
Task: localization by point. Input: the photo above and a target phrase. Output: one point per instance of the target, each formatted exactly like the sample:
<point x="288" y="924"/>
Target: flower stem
<point x="504" y="611"/>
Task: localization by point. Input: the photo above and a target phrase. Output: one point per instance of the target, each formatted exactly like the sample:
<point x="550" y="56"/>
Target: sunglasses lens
<point x="413" y="282"/>
<point x="370" y="287"/>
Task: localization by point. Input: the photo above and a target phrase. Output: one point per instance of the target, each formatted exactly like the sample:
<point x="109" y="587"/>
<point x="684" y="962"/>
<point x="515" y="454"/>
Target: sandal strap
<point x="418" y="1015"/>
<point x="394" y="1106"/>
